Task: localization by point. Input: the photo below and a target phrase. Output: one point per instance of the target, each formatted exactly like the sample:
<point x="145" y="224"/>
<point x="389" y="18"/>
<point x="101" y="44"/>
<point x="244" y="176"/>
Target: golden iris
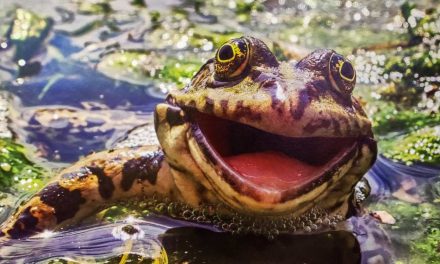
<point x="341" y="74"/>
<point x="231" y="59"/>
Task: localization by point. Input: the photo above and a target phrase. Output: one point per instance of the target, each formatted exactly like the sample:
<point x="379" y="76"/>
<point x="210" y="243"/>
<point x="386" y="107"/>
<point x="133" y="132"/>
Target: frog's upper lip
<point x="267" y="166"/>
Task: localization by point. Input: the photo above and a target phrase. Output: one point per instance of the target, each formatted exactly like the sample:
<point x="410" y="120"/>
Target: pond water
<point x="77" y="76"/>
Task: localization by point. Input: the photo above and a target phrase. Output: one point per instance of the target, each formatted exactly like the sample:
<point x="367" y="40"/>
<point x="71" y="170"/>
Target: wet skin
<point x="259" y="136"/>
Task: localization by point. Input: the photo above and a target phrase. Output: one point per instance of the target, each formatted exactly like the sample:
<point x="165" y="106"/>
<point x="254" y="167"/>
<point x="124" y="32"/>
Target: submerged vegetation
<point x="421" y="146"/>
<point x="421" y="244"/>
<point x="389" y="118"/>
<point x="138" y="67"/>
<point x="16" y="170"/>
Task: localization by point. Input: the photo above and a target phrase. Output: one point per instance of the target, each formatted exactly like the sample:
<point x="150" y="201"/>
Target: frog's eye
<point x="342" y="74"/>
<point x="231" y="59"/>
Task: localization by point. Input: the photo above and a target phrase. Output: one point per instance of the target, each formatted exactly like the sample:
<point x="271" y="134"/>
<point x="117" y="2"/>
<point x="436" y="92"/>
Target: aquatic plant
<point x="414" y="67"/>
<point x="416" y="230"/>
<point x="421" y="146"/>
<point x="16" y="170"/>
<point x="389" y="118"/>
<point x="136" y="66"/>
<point x="94" y="7"/>
<point x="26" y="32"/>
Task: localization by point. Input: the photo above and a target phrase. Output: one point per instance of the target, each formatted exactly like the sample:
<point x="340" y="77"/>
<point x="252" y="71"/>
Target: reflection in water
<point x="138" y="237"/>
<point x="388" y="177"/>
<point x="359" y="240"/>
<point x="195" y="245"/>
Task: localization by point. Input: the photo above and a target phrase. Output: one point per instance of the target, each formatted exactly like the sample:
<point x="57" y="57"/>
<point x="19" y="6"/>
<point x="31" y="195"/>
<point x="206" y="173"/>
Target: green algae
<point x="179" y="72"/>
<point x="318" y="34"/>
<point x="16" y="170"/>
<point x="142" y="66"/>
<point x="415" y="64"/>
<point x="419" y="23"/>
<point x="94" y="7"/>
<point x="421" y="146"/>
<point x="390" y="118"/>
<point x="244" y="9"/>
<point x="216" y="38"/>
<point x="27" y="33"/>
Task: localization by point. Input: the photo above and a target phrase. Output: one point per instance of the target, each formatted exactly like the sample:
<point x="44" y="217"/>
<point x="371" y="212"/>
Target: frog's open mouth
<point x="249" y="158"/>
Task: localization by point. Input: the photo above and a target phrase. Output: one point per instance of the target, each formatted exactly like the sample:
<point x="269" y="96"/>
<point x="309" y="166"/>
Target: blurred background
<point x="76" y="76"/>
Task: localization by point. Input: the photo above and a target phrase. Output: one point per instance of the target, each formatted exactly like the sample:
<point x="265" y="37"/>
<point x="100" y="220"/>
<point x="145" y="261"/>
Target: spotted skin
<point x="94" y="182"/>
<point x="286" y="106"/>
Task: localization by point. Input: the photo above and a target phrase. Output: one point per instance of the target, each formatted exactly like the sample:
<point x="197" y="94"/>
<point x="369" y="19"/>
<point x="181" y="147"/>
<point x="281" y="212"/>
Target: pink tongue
<point x="273" y="170"/>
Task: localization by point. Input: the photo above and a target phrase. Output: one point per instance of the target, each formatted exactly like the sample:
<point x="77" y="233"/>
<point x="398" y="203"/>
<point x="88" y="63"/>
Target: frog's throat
<point x="192" y="150"/>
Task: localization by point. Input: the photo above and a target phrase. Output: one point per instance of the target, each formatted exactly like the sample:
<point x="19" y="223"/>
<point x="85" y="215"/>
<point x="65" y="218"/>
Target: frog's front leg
<point x="97" y="180"/>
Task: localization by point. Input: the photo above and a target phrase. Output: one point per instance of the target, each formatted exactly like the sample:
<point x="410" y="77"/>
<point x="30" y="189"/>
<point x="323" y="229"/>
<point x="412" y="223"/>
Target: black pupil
<point x="347" y="70"/>
<point x="226" y="52"/>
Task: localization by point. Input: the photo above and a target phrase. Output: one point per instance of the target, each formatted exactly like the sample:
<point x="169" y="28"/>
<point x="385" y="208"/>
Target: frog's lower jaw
<point x="250" y="171"/>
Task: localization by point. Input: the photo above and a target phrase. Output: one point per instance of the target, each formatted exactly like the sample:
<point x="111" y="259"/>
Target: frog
<point x="256" y="135"/>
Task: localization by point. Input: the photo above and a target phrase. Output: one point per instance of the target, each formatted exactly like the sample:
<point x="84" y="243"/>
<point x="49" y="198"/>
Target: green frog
<point x="258" y="136"/>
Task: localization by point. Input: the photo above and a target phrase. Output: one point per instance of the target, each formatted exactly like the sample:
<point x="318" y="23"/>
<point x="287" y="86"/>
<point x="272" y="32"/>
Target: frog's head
<point x="265" y="136"/>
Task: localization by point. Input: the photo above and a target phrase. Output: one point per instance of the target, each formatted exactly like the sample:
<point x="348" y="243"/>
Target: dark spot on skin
<point x="303" y="101"/>
<point x="316" y="124"/>
<point x="336" y="206"/>
<point x="337" y="127"/>
<point x="65" y="202"/>
<point x="142" y="168"/>
<point x="320" y="86"/>
<point x="254" y="75"/>
<point x="192" y="103"/>
<point x="246" y="111"/>
<point x="305" y="97"/>
<point x="209" y="105"/>
<point x="105" y="183"/>
<point x="111" y="150"/>
<point x="174" y="117"/>
<point x="224" y="106"/>
<point x="356" y="124"/>
<point x="344" y="120"/>
<point x="25" y="225"/>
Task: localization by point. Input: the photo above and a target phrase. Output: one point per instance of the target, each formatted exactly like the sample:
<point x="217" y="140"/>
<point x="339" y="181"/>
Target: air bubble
<point x="160" y="208"/>
<point x="222" y="217"/>
<point x="187" y="214"/>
